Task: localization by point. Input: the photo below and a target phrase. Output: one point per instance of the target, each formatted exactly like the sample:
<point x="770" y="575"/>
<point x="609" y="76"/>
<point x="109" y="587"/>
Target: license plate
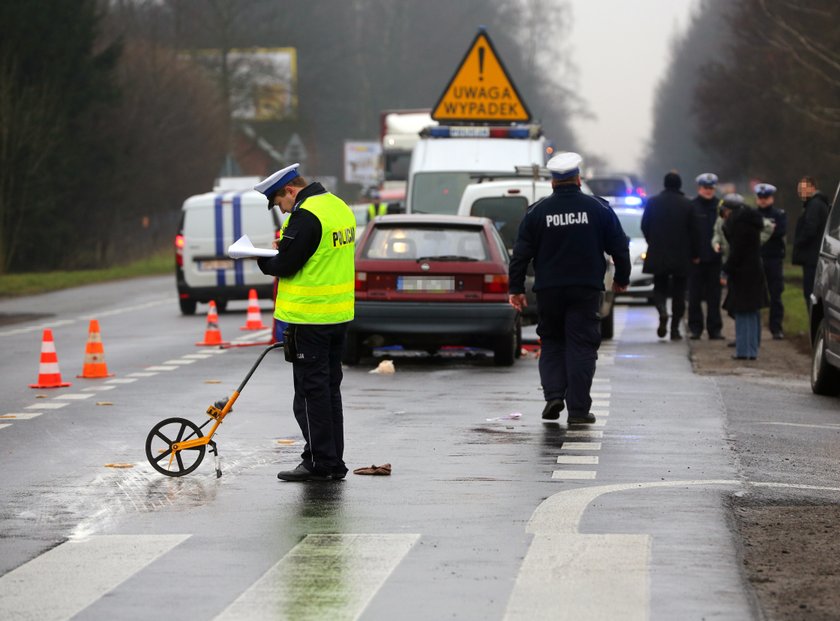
<point x="427" y="284"/>
<point x="216" y="264"/>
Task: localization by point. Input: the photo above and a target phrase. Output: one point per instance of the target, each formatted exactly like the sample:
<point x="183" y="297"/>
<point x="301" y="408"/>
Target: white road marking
<point x="212" y="351"/>
<point x="583" y="433"/>
<point x="160" y="368"/>
<point x="835" y="427"/>
<point x="600" y="395"/>
<point x="601" y="380"/>
<point x="582" y="446"/>
<point x="65" y="580"/>
<point x="122" y="380"/>
<point x="601" y="403"/>
<point x="46" y="406"/>
<point x="98" y="388"/>
<point x="197" y="356"/>
<point x="600" y="412"/>
<point x="75" y="396"/>
<point x="40" y="326"/>
<point x="573" y="475"/>
<point x="125" y="309"/>
<point x="5" y="425"/>
<point x="20" y="415"/>
<point x="577" y="459"/>
<point x="142" y="374"/>
<point x="323" y="577"/>
<point x="179" y="361"/>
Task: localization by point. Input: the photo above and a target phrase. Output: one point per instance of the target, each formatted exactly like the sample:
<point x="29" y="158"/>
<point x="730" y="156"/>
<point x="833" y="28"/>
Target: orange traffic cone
<point x="253" y="321"/>
<point x="212" y="335"/>
<point x="94" y="365"/>
<point x="48" y="374"/>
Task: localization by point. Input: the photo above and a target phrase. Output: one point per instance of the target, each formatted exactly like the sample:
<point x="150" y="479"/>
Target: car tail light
<point x="179" y="250"/>
<point x="361" y="281"/>
<point x="495" y="283"/>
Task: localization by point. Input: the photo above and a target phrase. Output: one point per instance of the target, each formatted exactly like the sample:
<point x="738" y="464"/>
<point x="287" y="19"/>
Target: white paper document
<point x="242" y="248"/>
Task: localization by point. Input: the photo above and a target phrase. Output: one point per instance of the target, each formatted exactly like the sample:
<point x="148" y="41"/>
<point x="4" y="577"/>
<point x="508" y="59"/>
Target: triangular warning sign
<point x="481" y="89"/>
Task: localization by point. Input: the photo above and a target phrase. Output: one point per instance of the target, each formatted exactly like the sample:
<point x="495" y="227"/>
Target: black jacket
<point x="809" y="230"/>
<point x="774" y="248"/>
<point x="566" y="235"/>
<point x="705" y="214"/>
<point x="301" y="238"/>
<point x="746" y="287"/>
<point x="668" y="225"/>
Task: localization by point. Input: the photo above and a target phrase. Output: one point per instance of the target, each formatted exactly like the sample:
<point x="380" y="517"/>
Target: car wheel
<point x="187" y="306"/>
<point x="825" y="379"/>
<point x="504" y="349"/>
<point x="352" y="354"/>
<point x="608" y="325"/>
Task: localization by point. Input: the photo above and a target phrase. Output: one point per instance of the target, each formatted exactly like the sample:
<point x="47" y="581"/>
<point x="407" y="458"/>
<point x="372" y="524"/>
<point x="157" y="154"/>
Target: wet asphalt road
<point x="498" y="519"/>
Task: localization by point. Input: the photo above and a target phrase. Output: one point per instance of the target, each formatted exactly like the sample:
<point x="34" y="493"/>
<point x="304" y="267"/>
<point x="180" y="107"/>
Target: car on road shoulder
<point x="641" y="284"/>
<point x="429" y="281"/>
<point x="619" y="190"/>
<point x="825" y="310"/>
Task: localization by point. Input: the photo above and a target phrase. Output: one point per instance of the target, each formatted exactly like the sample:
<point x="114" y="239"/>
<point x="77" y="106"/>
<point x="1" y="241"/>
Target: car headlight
<point x="640" y="259"/>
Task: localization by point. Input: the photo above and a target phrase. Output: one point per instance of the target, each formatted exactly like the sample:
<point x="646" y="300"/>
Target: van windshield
<point x="438" y="192"/>
<point x="506" y="212"/>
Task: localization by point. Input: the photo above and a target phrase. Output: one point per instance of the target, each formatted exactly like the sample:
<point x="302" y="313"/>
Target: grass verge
<point x="12" y="285"/>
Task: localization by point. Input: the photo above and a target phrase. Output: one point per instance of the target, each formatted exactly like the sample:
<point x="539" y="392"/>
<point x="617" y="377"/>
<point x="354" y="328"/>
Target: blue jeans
<point x="747" y="334"/>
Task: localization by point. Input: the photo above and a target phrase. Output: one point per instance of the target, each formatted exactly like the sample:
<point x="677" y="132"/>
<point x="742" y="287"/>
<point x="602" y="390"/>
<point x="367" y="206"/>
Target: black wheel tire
<point x="825" y="379"/>
<point x="187" y="306"/>
<point x="160" y="439"/>
<point x="504" y="349"/>
<point x="221" y="306"/>
<point x="352" y="354"/>
<point x="608" y="325"/>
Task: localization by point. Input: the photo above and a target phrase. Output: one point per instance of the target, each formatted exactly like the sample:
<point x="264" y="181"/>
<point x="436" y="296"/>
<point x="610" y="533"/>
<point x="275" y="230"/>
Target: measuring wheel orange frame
<point x="176" y="446"/>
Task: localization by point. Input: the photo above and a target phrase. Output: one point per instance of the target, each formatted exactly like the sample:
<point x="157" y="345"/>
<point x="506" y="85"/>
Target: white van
<point x="447" y="158"/>
<point x="505" y="202"/>
<point x="209" y="224"/>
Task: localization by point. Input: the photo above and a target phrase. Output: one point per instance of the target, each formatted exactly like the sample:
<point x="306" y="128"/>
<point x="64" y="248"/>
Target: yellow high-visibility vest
<point x="323" y="290"/>
<point x="377" y="209"/>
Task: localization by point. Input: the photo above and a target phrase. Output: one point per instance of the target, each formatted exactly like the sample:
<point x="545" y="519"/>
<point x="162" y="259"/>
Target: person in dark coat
<point x="809" y="231"/>
<point x="746" y="286"/>
<point x="704" y="278"/>
<point x="773" y="255"/>
<point x="668" y="227"/>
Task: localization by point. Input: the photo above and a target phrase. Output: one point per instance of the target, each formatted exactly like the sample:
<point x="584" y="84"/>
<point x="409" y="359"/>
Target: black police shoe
<point x="778" y="336"/>
<point x="552" y="409"/>
<point x="675" y="335"/>
<point x="716" y="337"/>
<point x="581" y="419"/>
<point x="337" y="475"/>
<point x="662" y="330"/>
<point x="694" y="336"/>
<point x="301" y="473"/>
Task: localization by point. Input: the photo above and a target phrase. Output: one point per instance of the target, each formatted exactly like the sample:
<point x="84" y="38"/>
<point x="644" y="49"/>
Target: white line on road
<point x="64" y="581"/>
<point x="46" y="406"/>
<point x="5" y="425"/>
<point x="160" y="368"/>
<point x="122" y="380"/>
<point x="179" y="361"/>
<point x="323" y="577"/>
<point x="142" y="374"/>
<point x="584" y="433"/>
<point x="98" y="388"/>
<point x="577" y="459"/>
<point x="75" y="396"/>
<point x="582" y="446"/>
<point x="40" y="326"/>
<point x="836" y="427"/>
<point x="20" y="415"/>
<point x="573" y="475"/>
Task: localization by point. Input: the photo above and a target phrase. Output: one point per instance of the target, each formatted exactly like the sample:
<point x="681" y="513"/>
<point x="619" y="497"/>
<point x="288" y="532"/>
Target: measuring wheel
<point x="159" y="447"/>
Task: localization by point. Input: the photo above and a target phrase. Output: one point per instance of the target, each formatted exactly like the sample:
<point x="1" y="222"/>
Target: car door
<point x="829" y="278"/>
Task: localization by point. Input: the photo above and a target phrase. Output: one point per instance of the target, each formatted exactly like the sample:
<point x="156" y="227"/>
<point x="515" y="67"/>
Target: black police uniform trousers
<point x="670" y="284"/>
<point x="774" y="273"/>
<point x="317" y="403"/>
<point x="570" y="333"/>
<point x="704" y="286"/>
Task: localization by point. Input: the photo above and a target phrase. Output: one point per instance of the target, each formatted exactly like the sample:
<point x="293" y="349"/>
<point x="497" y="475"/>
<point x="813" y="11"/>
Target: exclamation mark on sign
<point x="480" y="63"/>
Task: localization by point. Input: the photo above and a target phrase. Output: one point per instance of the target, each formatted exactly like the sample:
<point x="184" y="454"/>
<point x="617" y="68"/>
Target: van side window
<point x="833" y="227"/>
<point x="506" y="212"/>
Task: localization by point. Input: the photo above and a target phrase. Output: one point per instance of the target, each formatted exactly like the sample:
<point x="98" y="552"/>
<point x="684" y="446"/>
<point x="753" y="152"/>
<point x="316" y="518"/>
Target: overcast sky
<point x="621" y="49"/>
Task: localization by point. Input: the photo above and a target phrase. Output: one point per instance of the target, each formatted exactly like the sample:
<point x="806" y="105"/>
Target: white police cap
<point x="270" y="185"/>
<point x="765" y="189"/>
<point x="708" y="179"/>
<point x="564" y="165"/>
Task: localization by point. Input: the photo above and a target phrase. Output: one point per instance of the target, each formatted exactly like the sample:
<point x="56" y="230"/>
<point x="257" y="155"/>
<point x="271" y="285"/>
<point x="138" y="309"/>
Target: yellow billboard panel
<point x="481" y="89"/>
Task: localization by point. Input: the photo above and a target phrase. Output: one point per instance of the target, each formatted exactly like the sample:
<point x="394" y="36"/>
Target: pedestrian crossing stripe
<point x="67" y="579"/>
<point x="323" y="577"/>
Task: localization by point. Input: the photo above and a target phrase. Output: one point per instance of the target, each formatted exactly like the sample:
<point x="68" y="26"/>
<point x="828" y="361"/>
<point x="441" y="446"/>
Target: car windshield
<point x="506" y="212"/>
<point x="438" y="192"/>
<point x="430" y="242"/>
<point x="607" y="187"/>
<point x="631" y="222"/>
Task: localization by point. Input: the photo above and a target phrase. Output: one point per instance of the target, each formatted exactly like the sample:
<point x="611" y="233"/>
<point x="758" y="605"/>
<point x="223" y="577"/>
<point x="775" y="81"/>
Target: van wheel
<point x="825" y="379"/>
<point x="608" y="325"/>
<point x="187" y="306"/>
<point x="504" y="349"/>
<point x="352" y="354"/>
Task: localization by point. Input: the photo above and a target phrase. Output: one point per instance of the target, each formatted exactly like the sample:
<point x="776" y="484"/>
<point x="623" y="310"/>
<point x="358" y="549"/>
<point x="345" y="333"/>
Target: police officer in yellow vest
<point x="315" y="296"/>
<point x="377" y="207"/>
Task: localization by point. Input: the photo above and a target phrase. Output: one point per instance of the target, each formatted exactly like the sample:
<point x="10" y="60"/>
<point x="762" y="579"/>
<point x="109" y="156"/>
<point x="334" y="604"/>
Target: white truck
<point x="399" y="132"/>
<point x="446" y="160"/>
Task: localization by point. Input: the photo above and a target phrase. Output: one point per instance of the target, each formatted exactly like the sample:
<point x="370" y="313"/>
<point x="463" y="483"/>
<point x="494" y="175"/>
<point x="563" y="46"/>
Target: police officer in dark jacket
<point x="566" y="235"/>
<point x="315" y="296"/>
<point x="809" y="231"/>
<point x="704" y="279"/>
<point x="668" y="227"/>
<point x="773" y="255"/>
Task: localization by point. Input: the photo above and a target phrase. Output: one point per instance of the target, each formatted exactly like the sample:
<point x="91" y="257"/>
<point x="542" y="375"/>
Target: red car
<point x="426" y="281"/>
